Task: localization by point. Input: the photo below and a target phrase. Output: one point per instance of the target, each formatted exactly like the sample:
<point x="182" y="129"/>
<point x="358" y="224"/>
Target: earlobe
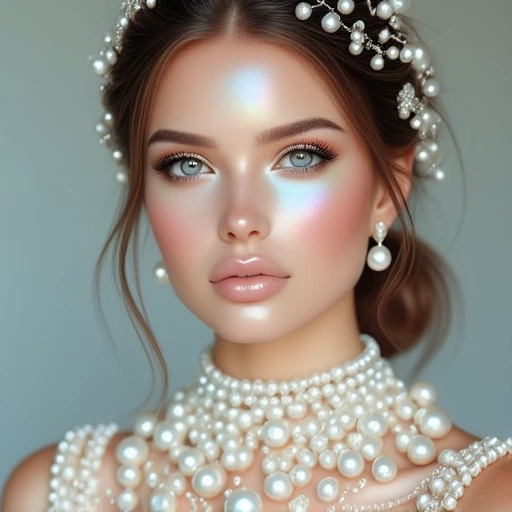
<point x="385" y="209"/>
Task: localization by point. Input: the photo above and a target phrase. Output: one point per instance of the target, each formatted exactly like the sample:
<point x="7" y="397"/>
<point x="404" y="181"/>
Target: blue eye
<point x="301" y="157"/>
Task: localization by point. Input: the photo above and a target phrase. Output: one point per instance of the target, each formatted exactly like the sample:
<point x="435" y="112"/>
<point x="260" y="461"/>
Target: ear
<point x="383" y="208"/>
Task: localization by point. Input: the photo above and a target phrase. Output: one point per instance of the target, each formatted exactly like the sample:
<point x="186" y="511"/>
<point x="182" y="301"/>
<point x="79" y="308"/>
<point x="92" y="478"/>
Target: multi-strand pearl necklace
<point x="335" y="420"/>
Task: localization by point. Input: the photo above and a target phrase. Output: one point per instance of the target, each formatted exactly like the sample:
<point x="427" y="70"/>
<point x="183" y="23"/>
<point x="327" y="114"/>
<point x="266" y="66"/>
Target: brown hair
<point x="397" y="306"/>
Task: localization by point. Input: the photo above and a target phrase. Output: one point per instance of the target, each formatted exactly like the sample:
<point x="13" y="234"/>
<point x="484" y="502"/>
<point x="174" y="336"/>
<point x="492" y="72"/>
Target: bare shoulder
<point x="491" y="490"/>
<point x="28" y="485"/>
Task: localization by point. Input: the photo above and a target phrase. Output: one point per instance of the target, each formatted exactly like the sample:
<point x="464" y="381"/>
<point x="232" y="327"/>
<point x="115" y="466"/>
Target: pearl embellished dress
<point x="225" y="443"/>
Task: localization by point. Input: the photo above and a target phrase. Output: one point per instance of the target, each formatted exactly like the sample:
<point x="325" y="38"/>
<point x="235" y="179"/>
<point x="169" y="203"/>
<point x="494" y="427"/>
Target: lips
<point x="254" y="265"/>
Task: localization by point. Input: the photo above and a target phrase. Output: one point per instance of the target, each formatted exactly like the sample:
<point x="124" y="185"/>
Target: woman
<point x="273" y="145"/>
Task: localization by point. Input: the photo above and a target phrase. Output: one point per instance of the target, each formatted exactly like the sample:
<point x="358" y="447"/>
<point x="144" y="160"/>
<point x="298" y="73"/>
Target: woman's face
<point x="249" y="191"/>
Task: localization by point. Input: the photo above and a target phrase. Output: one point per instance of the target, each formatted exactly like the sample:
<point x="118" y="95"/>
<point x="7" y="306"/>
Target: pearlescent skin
<point x="316" y="225"/>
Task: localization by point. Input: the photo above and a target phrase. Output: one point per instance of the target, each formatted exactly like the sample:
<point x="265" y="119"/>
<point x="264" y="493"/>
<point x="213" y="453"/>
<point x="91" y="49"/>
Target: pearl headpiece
<point x="396" y="41"/>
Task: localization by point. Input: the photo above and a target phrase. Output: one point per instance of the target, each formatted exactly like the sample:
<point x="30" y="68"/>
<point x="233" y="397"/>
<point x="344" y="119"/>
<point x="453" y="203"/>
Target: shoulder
<point x="28" y="487"/>
<point x="492" y="488"/>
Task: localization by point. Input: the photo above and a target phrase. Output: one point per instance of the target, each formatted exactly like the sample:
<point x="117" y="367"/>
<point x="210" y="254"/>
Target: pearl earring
<point x="160" y="273"/>
<point x="379" y="257"/>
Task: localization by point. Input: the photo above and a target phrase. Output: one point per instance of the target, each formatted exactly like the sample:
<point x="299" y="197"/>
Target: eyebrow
<point x="265" y="137"/>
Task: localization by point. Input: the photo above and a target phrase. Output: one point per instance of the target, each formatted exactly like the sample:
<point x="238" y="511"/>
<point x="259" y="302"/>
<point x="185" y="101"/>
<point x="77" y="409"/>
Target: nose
<point x="246" y="215"/>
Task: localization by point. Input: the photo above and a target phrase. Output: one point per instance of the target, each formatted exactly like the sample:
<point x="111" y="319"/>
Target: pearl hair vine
<point x="397" y="41"/>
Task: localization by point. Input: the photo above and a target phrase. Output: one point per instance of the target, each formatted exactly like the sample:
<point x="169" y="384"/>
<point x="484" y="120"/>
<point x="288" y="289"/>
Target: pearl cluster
<point x="456" y="472"/>
<point x="336" y="420"/>
<point x="393" y="43"/>
<point x="399" y="45"/>
<point x="74" y="482"/>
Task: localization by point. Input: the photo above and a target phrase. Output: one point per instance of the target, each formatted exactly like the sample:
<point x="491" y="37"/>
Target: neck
<point x="331" y="339"/>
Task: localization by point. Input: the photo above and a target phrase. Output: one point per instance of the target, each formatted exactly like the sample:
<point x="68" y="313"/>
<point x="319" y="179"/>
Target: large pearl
<point x="377" y="62"/>
<point x="151" y="3"/>
<point x="421" y="450"/>
<point x="435" y="422"/>
<point x="132" y="451"/>
<point x="327" y="489"/>
<point x="209" y="480"/>
<point x="162" y="501"/>
<point x="423" y="393"/>
<point x="127" y="500"/>
<point x="431" y="88"/>
<point x="331" y="22"/>
<point x="129" y="476"/>
<point x="350" y="463"/>
<point x="371" y="447"/>
<point x="384" y="10"/>
<point x="278" y="486"/>
<point x="346" y="6"/>
<point x="164" y="435"/>
<point x="379" y="258"/>
<point x="300" y="475"/>
<point x="384" y="469"/>
<point x="243" y="500"/>
<point x="355" y="48"/>
<point x="373" y="424"/>
<point x="303" y="11"/>
<point x="145" y="424"/>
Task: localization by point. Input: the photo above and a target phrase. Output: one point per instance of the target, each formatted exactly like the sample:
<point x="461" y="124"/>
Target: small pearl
<point x="132" y="451"/>
<point x="160" y="273"/>
<point x="327" y="489"/>
<point x="100" y="66"/>
<point x="384" y="10"/>
<point x="384" y="35"/>
<point x="407" y="53"/>
<point x="303" y="11"/>
<point x="145" y="424"/>
<point x="377" y="62"/>
<point x="331" y="22"/>
<point x="209" y="480"/>
<point x="121" y="177"/>
<point x="384" y="469"/>
<point x="350" y="463"/>
<point x="355" y="48"/>
<point x="117" y="155"/>
<point x="127" y="500"/>
<point x="161" y="501"/>
<point x="421" y="57"/>
<point x="190" y="460"/>
<point x="111" y="56"/>
<point x="449" y="503"/>
<point x="278" y="486"/>
<point x="275" y="433"/>
<point x="400" y="6"/>
<point x="423" y="393"/>
<point x="402" y="441"/>
<point x="243" y="500"/>
<point x="151" y="3"/>
<point x="177" y="483"/>
<point x="300" y="475"/>
<point x="373" y="424"/>
<point x="346" y="6"/>
<point x="435" y="422"/>
<point x="327" y="459"/>
<point x="432" y="88"/>
<point x="129" y="476"/>
<point x="371" y="447"/>
<point x="421" y="450"/>
<point x="393" y="52"/>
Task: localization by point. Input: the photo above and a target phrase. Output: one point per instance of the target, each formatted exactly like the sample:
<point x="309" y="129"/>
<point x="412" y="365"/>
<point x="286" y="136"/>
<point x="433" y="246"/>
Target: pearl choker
<point x="335" y="420"/>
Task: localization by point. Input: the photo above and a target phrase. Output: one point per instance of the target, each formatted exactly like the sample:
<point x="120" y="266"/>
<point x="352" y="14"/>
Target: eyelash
<point x="317" y="147"/>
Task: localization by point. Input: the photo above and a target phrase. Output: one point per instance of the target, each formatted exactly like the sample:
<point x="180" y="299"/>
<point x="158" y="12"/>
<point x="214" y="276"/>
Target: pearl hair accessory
<point x="336" y="420"/>
<point x="396" y="41"/>
<point x="379" y="257"/>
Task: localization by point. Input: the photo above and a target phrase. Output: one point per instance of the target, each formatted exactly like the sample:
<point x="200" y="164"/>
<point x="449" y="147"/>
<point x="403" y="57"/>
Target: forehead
<point x="250" y="83"/>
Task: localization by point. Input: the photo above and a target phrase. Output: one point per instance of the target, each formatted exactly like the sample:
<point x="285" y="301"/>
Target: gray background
<point x="57" y="198"/>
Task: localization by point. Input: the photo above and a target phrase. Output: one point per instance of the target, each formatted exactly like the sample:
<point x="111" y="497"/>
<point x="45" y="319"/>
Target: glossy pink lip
<point x="232" y="267"/>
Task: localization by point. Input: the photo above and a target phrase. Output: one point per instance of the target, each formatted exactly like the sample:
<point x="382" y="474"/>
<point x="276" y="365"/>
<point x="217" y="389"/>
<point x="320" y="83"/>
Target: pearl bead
<point x="350" y="463"/>
<point x="300" y="475"/>
<point x="421" y="59"/>
<point x="275" y="433"/>
<point x="176" y="483"/>
<point x="129" y="476"/>
<point x="377" y="62"/>
<point x="101" y="128"/>
<point x="327" y="459"/>
<point x="151" y="3"/>
<point x="421" y="450"/>
<point x="393" y="52"/>
<point x="132" y="451"/>
<point x="331" y="22"/>
<point x="190" y="460"/>
<point x="355" y="48"/>
<point x="303" y="11"/>
<point x="402" y="441"/>
<point x="209" y="481"/>
<point x="243" y="500"/>
<point x="111" y="56"/>
<point x="327" y="489"/>
<point x="384" y="469"/>
<point x="162" y="501"/>
<point x="145" y="424"/>
<point x="407" y="53"/>
<point x="435" y="422"/>
<point x="384" y="10"/>
<point x="372" y="447"/>
<point x="400" y="6"/>
<point x="449" y="503"/>
<point x="160" y="273"/>
<point x="379" y="258"/>
<point x="127" y="500"/>
<point x="346" y="6"/>
<point x="423" y="393"/>
<point x="100" y="66"/>
<point x="431" y="88"/>
<point x="278" y="486"/>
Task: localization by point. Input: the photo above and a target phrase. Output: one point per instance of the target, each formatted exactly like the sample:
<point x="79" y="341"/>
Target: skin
<point x="316" y="225"/>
